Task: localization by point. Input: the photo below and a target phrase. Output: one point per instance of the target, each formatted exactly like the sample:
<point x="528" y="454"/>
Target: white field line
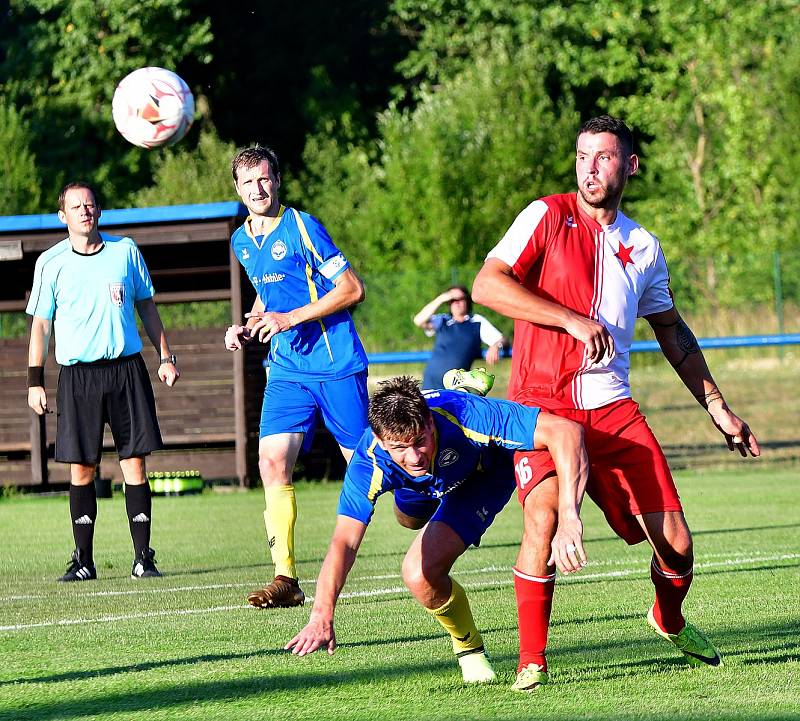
<point x="392" y="576"/>
<point x="385" y="591"/>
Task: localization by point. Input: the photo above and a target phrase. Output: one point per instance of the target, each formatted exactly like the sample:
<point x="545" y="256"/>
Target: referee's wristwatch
<point x="169" y="359"/>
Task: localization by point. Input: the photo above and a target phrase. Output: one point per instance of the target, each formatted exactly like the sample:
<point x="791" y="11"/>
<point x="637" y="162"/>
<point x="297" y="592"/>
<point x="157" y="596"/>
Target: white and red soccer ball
<point x="152" y="107"/>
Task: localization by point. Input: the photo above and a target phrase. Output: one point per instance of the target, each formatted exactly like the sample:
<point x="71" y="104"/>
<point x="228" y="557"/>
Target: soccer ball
<point x="152" y="107"/>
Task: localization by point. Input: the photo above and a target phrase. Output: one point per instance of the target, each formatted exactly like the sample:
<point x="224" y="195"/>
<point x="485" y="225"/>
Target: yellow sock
<point x="279" y="519"/>
<point x="456" y="618"/>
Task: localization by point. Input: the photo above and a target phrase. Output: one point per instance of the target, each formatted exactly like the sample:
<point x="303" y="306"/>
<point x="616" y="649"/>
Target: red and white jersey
<point x="612" y="274"/>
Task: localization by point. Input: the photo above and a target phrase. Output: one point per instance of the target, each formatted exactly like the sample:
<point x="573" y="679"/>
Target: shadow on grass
<point x="234" y="690"/>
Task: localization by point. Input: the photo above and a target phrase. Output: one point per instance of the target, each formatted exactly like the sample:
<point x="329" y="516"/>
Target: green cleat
<point x="691" y="642"/>
<point x="478" y="381"/>
<point x="475" y="668"/>
<point x="530" y="678"/>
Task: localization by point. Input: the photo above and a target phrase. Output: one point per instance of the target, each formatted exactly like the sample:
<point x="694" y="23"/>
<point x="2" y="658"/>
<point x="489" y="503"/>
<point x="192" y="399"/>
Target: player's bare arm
<point x="348" y="291"/>
<point x="318" y="632"/>
<point x="496" y="287"/>
<point x="681" y="349"/>
<point x="564" y="440"/>
<point x="37" y="355"/>
<point x="167" y="369"/>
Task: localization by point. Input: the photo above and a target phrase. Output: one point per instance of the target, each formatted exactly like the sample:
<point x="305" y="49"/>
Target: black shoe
<point x="78" y="569"/>
<point x="144" y="565"/>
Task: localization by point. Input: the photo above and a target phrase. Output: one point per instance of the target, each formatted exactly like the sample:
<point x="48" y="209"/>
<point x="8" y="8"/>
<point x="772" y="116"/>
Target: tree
<point x="19" y="181"/>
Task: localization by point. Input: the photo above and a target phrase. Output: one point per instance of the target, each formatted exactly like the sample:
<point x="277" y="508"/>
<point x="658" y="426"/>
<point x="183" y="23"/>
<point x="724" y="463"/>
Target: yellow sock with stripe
<point x="456" y="618"/>
<point x="279" y="518"/>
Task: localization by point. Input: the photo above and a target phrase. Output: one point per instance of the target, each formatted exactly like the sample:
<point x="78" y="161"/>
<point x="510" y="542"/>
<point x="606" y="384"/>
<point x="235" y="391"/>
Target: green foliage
<point x="62" y="64"/>
<point x="208" y="314"/>
<point x="183" y="174"/>
<point x="490" y="123"/>
<point x="19" y="180"/>
<point x="445" y="179"/>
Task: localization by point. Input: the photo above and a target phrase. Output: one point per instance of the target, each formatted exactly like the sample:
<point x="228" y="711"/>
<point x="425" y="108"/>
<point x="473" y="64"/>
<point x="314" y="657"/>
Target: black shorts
<point x="117" y="392"/>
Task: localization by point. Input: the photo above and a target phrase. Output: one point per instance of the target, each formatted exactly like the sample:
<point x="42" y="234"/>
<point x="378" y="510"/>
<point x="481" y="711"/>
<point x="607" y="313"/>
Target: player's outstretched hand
<point x="595" y="336"/>
<point x="567" y="550"/>
<point x="316" y="634"/>
<point x="737" y="433"/>
<point x="269" y="324"/>
<point x="236" y="336"/>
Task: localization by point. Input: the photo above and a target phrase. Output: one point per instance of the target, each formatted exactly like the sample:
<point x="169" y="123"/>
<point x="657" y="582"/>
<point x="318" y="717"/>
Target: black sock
<point x="138" y="503"/>
<point x="83" y="511"/>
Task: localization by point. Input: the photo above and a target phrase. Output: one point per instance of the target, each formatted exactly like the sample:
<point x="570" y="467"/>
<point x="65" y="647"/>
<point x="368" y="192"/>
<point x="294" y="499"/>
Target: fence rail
<point x="638" y="346"/>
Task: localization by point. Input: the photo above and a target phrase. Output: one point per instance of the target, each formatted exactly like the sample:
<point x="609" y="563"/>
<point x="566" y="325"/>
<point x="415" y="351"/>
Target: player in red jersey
<point x="575" y="273"/>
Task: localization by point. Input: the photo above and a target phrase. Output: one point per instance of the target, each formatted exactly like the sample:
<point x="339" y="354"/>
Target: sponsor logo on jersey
<point x="267" y="278"/>
<point x="245" y="254"/>
<point x="448" y="457"/>
<point x="278" y="250"/>
<point x="117" y="292"/>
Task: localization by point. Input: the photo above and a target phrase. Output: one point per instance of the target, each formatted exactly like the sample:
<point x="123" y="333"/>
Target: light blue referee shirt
<point x="92" y="298"/>
<point x="471" y="433"/>
<point x="295" y="264"/>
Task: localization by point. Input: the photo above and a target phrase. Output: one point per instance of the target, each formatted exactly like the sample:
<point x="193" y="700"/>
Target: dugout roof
<point x="186" y="248"/>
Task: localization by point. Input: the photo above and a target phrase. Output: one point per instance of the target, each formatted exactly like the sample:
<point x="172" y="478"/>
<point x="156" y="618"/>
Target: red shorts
<point x="628" y="473"/>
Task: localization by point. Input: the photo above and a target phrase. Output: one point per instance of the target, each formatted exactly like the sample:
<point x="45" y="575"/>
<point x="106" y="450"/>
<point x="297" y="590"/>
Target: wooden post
<point x="240" y="417"/>
<point x="38" y="449"/>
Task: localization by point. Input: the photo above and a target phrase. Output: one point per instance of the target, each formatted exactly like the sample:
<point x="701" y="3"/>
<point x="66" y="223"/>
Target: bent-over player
<point x="457" y="450"/>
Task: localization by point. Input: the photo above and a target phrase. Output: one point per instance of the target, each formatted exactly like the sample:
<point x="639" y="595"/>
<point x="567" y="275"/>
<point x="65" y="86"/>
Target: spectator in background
<point x="459" y="335"/>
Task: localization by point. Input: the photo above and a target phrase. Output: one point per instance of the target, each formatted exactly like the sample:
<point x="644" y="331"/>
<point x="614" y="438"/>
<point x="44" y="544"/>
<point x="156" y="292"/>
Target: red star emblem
<point x="624" y="254"/>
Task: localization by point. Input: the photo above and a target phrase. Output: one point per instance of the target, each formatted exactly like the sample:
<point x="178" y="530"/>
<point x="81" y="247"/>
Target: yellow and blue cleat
<point x="530" y="678"/>
<point x="691" y="642"/>
<point x="478" y="381"/>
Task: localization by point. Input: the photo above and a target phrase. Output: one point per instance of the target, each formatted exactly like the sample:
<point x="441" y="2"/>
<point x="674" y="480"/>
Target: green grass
<point x="187" y="647"/>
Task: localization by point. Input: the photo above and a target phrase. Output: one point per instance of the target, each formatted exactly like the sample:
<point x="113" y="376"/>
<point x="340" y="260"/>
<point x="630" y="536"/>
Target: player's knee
<point x="272" y="469"/>
<point x="413" y="575"/>
<point x="540" y="523"/>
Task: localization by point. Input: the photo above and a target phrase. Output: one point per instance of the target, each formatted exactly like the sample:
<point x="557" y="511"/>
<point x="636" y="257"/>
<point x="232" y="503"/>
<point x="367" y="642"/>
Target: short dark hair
<point x="466" y="292"/>
<point x="73" y="186"/>
<point x="250" y="157"/>
<point x="609" y="124"/>
<point x="397" y="410"/>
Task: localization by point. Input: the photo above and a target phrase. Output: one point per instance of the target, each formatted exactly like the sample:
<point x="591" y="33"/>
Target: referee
<point x="86" y="287"/>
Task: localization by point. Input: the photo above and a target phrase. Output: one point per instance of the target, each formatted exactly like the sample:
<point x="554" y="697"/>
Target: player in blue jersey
<point x="304" y="288"/>
<point x="92" y="284"/>
<point x="456" y="450"/>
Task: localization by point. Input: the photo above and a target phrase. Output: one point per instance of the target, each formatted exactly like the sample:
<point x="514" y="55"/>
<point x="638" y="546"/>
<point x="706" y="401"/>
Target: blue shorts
<point x="292" y="407"/>
<point x="469" y="509"/>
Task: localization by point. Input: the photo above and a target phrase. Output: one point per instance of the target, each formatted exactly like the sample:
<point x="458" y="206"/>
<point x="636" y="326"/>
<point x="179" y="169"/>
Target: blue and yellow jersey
<point x="471" y="433"/>
<point x="295" y="264"/>
<point x="92" y="298"/>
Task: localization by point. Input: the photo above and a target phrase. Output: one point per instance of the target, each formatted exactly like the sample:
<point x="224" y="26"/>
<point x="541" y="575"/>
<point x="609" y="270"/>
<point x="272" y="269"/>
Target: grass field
<point x="188" y="647"/>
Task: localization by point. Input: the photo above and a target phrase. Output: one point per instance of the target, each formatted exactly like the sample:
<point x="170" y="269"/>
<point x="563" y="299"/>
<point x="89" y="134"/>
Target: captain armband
<point x="35" y="376"/>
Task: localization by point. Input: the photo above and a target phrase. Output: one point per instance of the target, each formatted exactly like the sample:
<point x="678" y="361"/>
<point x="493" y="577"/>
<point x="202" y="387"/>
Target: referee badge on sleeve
<point x="117" y="291"/>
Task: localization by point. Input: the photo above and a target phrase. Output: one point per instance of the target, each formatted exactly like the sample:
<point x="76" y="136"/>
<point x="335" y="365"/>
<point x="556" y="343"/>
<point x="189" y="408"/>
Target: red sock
<point x="534" y="602"/>
<point x="671" y="589"/>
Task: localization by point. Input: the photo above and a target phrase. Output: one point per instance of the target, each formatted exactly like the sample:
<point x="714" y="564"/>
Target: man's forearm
<point x="39" y="342"/>
<point x="572" y="467"/>
<point x="153" y="326"/>
<point x="332" y="577"/>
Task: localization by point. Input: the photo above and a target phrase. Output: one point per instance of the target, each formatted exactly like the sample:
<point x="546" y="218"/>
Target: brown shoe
<point x="281" y="593"/>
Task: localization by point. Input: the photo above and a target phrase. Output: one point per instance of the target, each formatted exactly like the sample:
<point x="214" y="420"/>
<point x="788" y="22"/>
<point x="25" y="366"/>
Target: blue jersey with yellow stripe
<point x="295" y="264"/>
<point x="471" y="433"/>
